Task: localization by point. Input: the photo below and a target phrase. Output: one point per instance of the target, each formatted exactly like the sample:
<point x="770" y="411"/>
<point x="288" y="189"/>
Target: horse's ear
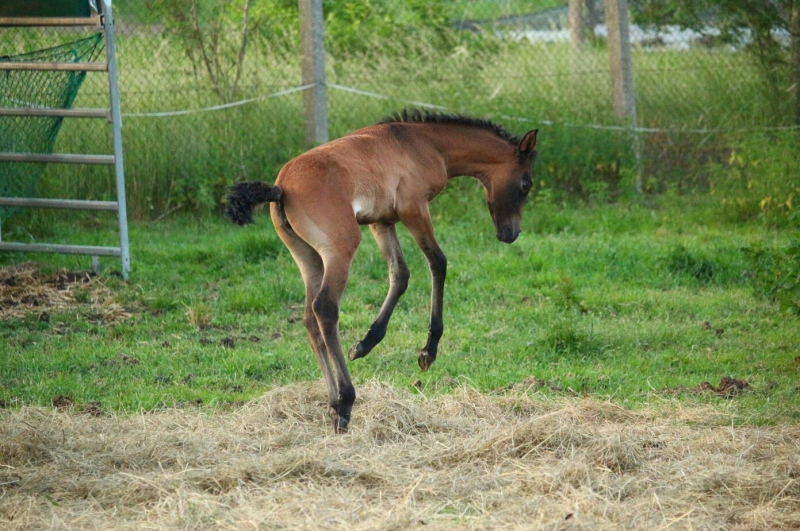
<point x="528" y="142"/>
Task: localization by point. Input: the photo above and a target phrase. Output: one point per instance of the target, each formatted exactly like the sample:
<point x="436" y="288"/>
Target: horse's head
<point x="509" y="188"/>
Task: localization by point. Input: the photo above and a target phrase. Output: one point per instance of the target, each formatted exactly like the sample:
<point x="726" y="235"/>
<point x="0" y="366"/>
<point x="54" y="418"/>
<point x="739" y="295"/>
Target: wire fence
<point x="212" y="93"/>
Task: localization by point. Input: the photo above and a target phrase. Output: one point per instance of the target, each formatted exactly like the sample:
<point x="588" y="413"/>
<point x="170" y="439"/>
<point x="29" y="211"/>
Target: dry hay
<point x="25" y="291"/>
<point x="460" y="461"/>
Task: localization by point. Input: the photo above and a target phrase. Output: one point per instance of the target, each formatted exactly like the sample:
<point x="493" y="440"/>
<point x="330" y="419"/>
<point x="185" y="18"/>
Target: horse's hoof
<point x="358" y="351"/>
<point x="425" y="360"/>
<point x="339" y="422"/>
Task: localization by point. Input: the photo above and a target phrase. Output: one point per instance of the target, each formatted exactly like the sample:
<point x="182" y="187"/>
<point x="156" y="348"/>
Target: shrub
<point x="775" y="274"/>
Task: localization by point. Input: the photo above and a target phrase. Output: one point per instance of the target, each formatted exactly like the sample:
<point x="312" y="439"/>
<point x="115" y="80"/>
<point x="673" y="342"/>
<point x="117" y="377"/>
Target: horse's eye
<point x="526" y="186"/>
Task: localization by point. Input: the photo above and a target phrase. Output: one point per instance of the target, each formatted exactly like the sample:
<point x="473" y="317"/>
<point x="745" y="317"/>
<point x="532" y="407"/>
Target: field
<point x="617" y="367"/>
<point x="631" y="362"/>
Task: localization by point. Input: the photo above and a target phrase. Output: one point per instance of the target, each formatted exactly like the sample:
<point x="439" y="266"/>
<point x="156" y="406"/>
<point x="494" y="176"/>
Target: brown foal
<point x="378" y="176"/>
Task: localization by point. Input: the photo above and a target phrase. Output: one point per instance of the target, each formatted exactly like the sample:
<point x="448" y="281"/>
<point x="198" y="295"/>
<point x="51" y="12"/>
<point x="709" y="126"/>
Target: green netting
<point x="46" y="8"/>
<point x="37" y="89"/>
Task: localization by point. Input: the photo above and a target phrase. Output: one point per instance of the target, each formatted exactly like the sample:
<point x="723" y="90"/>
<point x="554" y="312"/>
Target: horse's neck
<point x="471" y="151"/>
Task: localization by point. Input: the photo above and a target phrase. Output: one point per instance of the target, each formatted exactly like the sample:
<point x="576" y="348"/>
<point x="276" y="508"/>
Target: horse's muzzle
<point x="508" y="234"/>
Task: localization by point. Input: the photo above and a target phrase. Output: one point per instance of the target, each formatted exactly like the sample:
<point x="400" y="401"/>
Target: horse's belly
<point x="367" y="210"/>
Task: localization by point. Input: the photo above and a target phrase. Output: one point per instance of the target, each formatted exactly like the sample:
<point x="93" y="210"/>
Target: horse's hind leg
<point x="334" y="236"/>
<point x="311" y="269"/>
<point x="386" y="237"/>
<point x="337" y="260"/>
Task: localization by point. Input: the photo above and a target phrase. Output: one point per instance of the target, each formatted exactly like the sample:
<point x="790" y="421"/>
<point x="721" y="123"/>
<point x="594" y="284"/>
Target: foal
<point x="378" y="176"/>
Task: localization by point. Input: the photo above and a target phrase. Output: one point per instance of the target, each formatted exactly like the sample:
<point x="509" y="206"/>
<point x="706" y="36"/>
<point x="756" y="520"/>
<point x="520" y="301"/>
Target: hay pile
<point x="25" y="291"/>
<point x="462" y="461"/>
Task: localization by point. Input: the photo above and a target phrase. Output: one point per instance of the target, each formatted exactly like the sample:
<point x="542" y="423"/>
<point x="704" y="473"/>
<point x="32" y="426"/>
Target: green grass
<point x="627" y="302"/>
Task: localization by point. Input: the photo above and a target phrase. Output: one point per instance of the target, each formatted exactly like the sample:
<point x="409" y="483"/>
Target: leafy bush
<point x="681" y="262"/>
<point x="410" y="27"/>
<point x="755" y="27"/>
<point x="760" y="179"/>
<point x="775" y="274"/>
<point x="589" y="165"/>
<point x="217" y="33"/>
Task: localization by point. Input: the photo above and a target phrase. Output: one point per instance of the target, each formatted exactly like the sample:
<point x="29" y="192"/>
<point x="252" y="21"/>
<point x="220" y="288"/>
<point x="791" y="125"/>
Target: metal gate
<point x="73" y="13"/>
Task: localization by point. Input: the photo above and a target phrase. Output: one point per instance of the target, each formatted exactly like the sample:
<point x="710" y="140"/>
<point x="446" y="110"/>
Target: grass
<point x="630" y="302"/>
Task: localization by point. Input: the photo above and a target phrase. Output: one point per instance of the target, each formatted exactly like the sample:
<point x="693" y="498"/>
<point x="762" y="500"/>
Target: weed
<point x="566" y="295"/>
<point x="775" y="274"/>
<point x="199" y="315"/>
<point x="681" y="262"/>
<point x="565" y="337"/>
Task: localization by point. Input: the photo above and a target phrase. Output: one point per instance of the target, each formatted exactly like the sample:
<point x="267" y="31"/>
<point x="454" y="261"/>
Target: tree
<point x="760" y="26"/>
<point x="205" y="30"/>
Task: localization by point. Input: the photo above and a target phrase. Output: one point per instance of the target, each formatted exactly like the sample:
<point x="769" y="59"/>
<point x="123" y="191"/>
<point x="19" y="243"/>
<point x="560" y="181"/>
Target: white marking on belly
<point x="362" y="206"/>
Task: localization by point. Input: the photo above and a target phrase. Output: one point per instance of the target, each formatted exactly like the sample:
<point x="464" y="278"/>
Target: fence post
<point x="794" y="31"/>
<point x="580" y="23"/>
<point x="313" y="71"/>
<point x="623" y="94"/>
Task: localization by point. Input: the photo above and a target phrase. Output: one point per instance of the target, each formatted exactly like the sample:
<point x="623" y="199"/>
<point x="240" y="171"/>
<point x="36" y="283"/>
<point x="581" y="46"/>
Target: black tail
<point x="244" y="196"/>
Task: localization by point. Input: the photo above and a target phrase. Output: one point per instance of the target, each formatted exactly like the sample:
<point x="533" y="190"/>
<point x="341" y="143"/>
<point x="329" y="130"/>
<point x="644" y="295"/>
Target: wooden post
<point x="313" y="71"/>
<point x="581" y="29"/>
<point x="623" y="94"/>
<point x="794" y="31"/>
<point x="578" y="16"/>
<point x="619" y="48"/>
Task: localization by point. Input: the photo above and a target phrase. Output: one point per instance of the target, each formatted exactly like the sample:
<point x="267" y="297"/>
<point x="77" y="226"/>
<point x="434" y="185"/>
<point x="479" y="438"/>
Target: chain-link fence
<point x="212" y="92"/>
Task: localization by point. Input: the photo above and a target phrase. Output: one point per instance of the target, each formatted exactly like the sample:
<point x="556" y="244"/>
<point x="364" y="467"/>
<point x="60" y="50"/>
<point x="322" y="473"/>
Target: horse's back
<point x="379" y="156"/>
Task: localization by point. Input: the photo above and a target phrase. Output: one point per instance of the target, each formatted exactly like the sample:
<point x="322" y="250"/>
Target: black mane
<point x="422" y="116"/>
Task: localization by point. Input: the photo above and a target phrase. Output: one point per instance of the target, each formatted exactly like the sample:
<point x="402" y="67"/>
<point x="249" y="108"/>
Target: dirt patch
<point x="62" y="402"/>
<point x="532" y="383"/>
<point x="516" y="460"/>
<point x="25" y="290"/>
<point x="728" y="387"/>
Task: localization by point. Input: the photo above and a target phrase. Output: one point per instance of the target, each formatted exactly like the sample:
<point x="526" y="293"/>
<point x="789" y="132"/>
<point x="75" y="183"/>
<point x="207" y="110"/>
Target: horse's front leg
<point x="422" y="230"/>
<point x="386" y="237"/>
